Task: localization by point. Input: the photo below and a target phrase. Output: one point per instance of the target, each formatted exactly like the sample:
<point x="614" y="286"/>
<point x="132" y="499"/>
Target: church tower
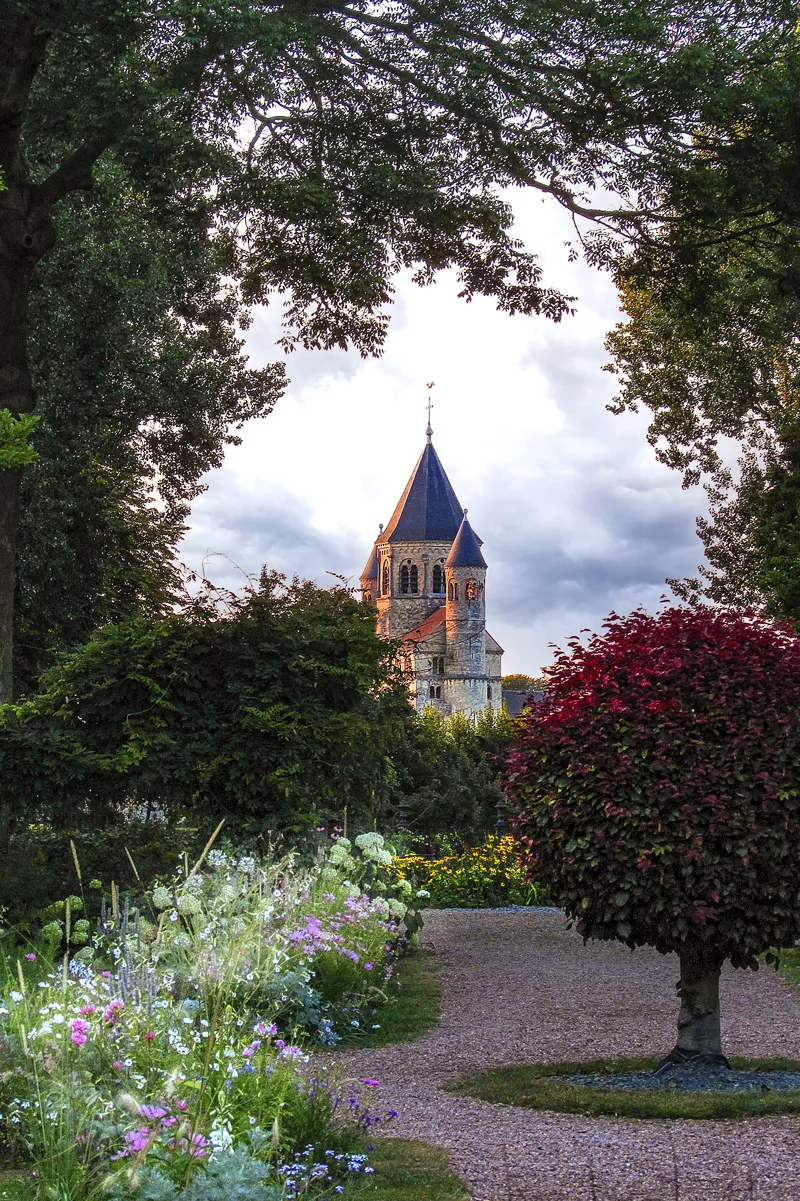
<point x="426" y="577"/>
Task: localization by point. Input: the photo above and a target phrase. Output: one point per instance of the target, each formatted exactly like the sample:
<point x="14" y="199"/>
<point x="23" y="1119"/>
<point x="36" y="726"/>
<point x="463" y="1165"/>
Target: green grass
<point x="13" y="1186"/>
<point x="407" y="1170"/>
<point x="538" y="1086"/>
<point x="414" y="998"/>
<point x="790" y="966"/>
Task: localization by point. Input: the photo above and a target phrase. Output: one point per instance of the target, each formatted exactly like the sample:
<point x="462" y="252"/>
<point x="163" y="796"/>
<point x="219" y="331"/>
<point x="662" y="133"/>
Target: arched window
<point x="489" y="692"/>
<point x="453" y="591"/>
<point x="432" y="692"/>
<point x="385" y="584"/>
<point x="404" y="578"/>
<point x="437" y="664"/>
<point x="438" y="692"/>
<point x="472" y="591"/>
<point x="367" y="598"/>
<point x="414" y="578"/>
<point x="438" y="578"/>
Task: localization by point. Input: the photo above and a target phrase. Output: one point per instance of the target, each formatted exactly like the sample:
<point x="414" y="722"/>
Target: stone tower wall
<point x="400" y="612"/>
<point x="466" y="624"/>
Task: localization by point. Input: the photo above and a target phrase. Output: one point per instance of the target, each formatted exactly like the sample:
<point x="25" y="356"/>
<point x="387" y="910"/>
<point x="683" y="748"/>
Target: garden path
<point x="520" y="987"/>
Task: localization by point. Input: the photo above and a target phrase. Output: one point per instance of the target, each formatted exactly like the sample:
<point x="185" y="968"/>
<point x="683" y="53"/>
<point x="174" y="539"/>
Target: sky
<point x="576" y="515"/>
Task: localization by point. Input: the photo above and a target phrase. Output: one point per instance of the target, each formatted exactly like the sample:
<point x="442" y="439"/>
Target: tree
<point x="658" y="795"/>
<point x="324" y="147"/>
<point x="135" y="406"/>
<point x="273" y="711"/>
<point x="523" y="683"/>
<point x="710" y="346"/>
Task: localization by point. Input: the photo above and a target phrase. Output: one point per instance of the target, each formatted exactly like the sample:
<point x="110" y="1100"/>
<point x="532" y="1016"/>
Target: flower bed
<point x="487" y="876"/>
<point x="163" y="1051"/>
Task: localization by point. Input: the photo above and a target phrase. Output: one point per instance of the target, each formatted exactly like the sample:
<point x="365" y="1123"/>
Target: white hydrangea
<point x="188" y="904"/>
<point x="404" y="888"/>
<point x="345" y="843"/>
<point x="196" y="882"/>
<point x="423" y="892"/>
<point x="339" y="853"/>
<point x="384" y="858"/>
<point x="161" y="897"/>
<point x="396" y="908"/>
<point x="371" y="840"/>
<point x="352" y="889"/>
<point x="227" y="894"/>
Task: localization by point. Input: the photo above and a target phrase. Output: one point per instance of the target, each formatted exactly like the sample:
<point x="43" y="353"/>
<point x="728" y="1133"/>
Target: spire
<point x="466" y="550"/>
<point x="429" y="431"/>
<point x="428" y="510"/>
<point x="370" y="571"/>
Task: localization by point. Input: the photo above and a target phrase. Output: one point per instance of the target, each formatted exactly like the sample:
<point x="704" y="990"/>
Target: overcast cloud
<point x="576" y="515"/>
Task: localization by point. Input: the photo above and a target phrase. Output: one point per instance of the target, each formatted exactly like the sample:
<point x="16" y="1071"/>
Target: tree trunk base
<point x="679" y="1057"/>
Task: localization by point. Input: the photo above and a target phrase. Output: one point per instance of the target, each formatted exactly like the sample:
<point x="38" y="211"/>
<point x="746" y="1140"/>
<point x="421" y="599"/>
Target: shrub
<point x="658" y="787"/>
<point x="485" y="876"/>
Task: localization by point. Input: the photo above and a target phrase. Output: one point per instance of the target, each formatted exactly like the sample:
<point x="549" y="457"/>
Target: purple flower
<point x="367" y="967"/>
<point x="31" y="957"/>
<point x="372" y="1083"/>
<point x="152" y="1112"/>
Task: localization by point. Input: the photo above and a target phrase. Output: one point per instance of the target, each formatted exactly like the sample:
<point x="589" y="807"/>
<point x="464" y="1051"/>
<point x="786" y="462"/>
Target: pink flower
<point x="106" y="975"/>
<point x="372" y="1083"/>
<point x="182" y="1106"/>
<point x="149" y="1036"/>
<point x="264" y="1030"/>
<point x="112" y="1010"/>
<point x="251" y="1050"/>
<point x="86" y="1009"/>
<point x="31" y="957"/>
<point x="78" y="1029"/>
<point x="117" y="1065"/>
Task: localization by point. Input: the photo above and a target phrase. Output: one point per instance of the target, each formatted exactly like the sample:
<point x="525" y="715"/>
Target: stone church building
<point x="426" y="576"/>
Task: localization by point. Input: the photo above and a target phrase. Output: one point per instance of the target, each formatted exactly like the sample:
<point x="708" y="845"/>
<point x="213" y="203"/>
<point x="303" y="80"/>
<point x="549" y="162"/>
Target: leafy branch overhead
<point x="15" y="446"/>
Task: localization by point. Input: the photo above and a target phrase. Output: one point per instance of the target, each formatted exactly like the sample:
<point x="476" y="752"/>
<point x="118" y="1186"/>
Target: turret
<point x="369" y="576"/>
<point x="465" y="607"/>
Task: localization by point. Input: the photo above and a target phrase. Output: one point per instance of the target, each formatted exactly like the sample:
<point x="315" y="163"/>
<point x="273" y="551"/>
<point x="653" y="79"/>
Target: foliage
<point x="15" y="447"/>
<point x="709" y="345"/>
<point x="657" y="783"/>
<point x="449" y="768"/>
<point x="155" y="1049"/>
<point x="136" y="404"/>
<point x="477" y="877"/>
<point x="541" y="1086"/>
<point x="279" y="709"/>
<point x="523" y="683"/>
<point x="39" y="866"/>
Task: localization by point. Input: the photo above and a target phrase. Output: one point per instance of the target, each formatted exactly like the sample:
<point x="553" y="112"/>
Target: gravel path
<point x="520" y="987"/>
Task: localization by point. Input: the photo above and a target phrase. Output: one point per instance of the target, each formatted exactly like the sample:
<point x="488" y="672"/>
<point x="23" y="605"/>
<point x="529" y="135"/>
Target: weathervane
<point x="429" y="431"/>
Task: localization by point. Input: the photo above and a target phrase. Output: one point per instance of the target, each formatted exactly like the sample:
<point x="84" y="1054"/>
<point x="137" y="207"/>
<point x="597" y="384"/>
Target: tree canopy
<point x="658" y="788"/>
<point x="321" y="149"/>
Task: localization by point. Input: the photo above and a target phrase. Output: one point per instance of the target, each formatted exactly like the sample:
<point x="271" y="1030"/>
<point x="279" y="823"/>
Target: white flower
<point x="396" y="908"/>
<point x="173" y="917"/>
<point x="371" y="840"/>
<point x="161" y="897"/>
<point x="384" y="858"/>
<point x="188" y="904"/>
<point x="16" y="996"/>
<point x="423" y="892"/>
<point x="345" y="843"/>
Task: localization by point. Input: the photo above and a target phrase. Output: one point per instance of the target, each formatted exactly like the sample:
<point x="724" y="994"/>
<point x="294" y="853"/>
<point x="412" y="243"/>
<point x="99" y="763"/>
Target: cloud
<point x="576" y="514"/>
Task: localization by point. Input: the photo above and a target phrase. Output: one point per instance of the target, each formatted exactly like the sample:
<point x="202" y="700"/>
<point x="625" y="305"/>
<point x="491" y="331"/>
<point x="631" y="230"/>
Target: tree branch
<point x="74" y="174"/>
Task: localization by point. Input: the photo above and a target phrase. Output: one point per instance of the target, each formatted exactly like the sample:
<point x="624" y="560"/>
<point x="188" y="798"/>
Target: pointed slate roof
<point x="466" y="550"/>
<point x="370" y="571"/>
<point x="428" y="510"/>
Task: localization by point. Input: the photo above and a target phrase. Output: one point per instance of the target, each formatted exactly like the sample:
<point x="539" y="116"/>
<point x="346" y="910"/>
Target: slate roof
<point x="466" y="550"/>
<point x="429" y="626"/>
<point x="370" y="572"/>
<point x="428" y="510"/>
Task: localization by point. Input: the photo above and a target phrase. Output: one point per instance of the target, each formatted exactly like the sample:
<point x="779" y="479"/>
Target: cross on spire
<point x="429" y="431"/>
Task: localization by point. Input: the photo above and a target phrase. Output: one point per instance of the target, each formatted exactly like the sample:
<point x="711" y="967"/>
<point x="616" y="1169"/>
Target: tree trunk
<point x="9" y="508"/>
<point x="16" y="395"/>
<point x="699" y="1039"/>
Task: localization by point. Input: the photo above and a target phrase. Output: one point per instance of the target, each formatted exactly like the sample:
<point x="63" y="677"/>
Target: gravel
<point x="519" y="987"/>
<point x="695" y="1080"/>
